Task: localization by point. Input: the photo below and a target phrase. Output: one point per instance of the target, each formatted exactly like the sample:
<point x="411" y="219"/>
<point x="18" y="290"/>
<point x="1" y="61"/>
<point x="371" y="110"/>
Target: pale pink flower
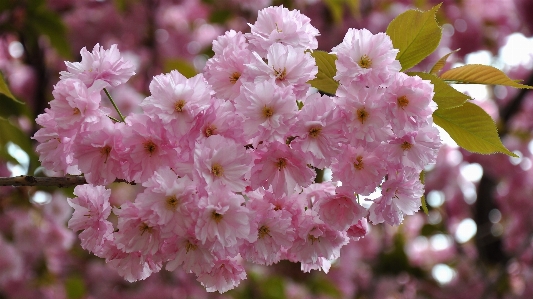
<point x="279" y="25"/>
<point x="415" y="149"/>
<point x="189" y="252"/>
<point x="339" y="211"/>
<point x="319" y="130"/>
<point x="366" y="58"/>
<point x="149" y="147"/>
<point x="174" y="97"/>
<point x="358" y="230"/>
<point x="55" y="144"/>
<point x="136" y="233"/>
<point x="225" y="275"/>
<point x="173" y="199"/>
<point x="74" y="103"/>
<point x="400" y="195"/>
<point x="107" y="65"/>
<point x="362" y="169"/>
<point x="219" y="160"/>
<point x="99" y="152"/>
<point x="91" y="210"/>
<point x="316" y="240"/>
<point x="410" y="101"/>
<point x="230" y="40"/>
<point x="268" y="109"/>
<point x="133" y="266"/>
<point x="286" y="66"/>
<point x="321" y="264"/>
<point x="221" y="119"/>
<point x="282" y="168"/>
<point x="274" y="233"/>
<point x="366" y="113"/>
<point x="223" y="219"/>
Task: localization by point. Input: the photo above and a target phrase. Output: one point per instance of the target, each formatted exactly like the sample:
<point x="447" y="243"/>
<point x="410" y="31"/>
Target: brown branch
<point x="68" y="181"/>
<point x="28" y="180"/>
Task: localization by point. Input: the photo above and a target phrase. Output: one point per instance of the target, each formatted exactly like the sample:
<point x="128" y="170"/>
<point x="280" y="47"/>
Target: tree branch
<point x="67" y="181"/>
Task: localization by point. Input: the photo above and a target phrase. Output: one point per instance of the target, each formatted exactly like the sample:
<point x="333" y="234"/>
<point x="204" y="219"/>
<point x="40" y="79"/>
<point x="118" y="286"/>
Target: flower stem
<point x="114" y="105"/>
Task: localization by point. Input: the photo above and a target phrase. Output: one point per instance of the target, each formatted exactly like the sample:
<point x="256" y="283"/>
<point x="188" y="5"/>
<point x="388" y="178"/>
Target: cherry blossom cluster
<point x="228" y="158"/>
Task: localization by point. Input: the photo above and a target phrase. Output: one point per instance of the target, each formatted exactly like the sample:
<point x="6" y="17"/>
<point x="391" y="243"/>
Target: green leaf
<point x="11" y="133"/>
<point x="480" y="74"/>
<point x="181" y="65"/>
<point x="416" y="34"/>
<point x="11" y="106"/>
<point x="75" y="288"/>
<point x="440" y="64"/>
<point x="326" y="70"/>
<point x="445" y="96"/>
<point x="472" y="128"/>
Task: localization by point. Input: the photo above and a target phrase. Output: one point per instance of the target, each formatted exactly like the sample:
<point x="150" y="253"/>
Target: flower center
<point x="145" y="228"/>
<point x="280" y="74"/>
<point x="216" y="216"/>
<point x="234" y="77"/>
<point x="209" y="130"/>
<point x="312" y="238"/>
<point x="403" y="101"/>
<point x="178" y="106"/>
<point x="365" y="62"/>
<point x="315" y="131"/>
<point x="171" y="202"/>
<point x="105" y="152"/>
<point x="358" y="164"/>
<point x="76" y="111"/>
<point x="362" y="114"/>
<point x="190" y="246"/>
<point x="281" y="163"/>
<point x="263" y="231"/>
<point x="406" y="146"/>
<point x="268" y="111"/>
<point x="150" y="147"/>
<point x="217" y="170"/>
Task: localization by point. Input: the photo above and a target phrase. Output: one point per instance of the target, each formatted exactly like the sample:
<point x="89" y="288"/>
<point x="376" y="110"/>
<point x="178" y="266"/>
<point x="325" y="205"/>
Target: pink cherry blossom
<point x="401" y="195"/>
<point x="339" y="211"/>
<point x="225" y="275"/>
<point x="174" y="97"/>
<point x="189" y="252"/>
<point x="91" y="210"/>
<point x="268" y="109"/>
<point x="223" y="219"/>
<point x="281" y="168"/>
<point x="107" y="65"/>
<point x="219" y="160"/>
<point x="99" y="152"/>
<point x="280" y="25"/>
<point x="286" y="66"/>
<point x="365" y="57"/>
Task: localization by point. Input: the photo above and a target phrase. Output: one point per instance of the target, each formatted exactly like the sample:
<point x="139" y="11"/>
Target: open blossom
<point x="410" y="101"/>
<point x="91" y="210"/>
<point x="100" y="64"/>
<point x="281" y="25"/>
<point x="415" y="149"/>
<point x="340" y="211"/>
<point x="269" y="110"/>
<point x="400" y="195"/>
<point x="281" y="168"/>
<point x="74" y="103"/>
<point x="223" y="219"/>
<point x="99" y="152"/>
<point x="190" y="253"/>
<point x="225" y="275"/>
<point x="360" y="168"/>
<point x="174" y="97"/>
<point x="366" y="58"/>
<point x="286" y="66"/>
<point x="136" y="233"/>
<point x="219" y="160"/>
